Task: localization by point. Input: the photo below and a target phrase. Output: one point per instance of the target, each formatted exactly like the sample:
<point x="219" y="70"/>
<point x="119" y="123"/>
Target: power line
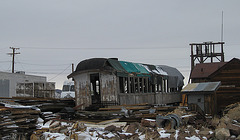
<point x="4" y="61"/>
<point x="20" y="64"/>
<point x="104" y="48"/>
<point x="59" y="73"/>
<point x="43" y="64"/>
<point x="36" y="72"/>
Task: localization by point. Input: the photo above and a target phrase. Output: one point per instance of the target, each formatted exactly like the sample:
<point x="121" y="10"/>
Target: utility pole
<point x="72" y="67"/>
<point x="13" y="56"/>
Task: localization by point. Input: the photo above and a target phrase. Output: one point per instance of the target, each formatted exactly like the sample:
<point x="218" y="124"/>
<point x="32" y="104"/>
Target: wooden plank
<point x="108" y="121"/>
<point x="127" y="107"/>
<point x="21" y="111"/>
<point x="117" y="124"/>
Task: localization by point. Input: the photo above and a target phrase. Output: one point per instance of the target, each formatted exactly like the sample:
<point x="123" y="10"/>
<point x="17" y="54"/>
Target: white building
<point x="9" y="83"/>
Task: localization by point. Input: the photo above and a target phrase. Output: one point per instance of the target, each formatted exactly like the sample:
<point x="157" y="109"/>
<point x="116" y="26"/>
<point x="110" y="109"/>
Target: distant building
<point x="101" y="81"/>
<point x="228" y="73"/>
<point x="203" y="95"/>
<point x="21" y="85"/>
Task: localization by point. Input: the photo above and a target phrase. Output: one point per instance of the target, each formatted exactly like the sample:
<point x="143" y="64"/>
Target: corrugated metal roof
<point x="201" y="87"/>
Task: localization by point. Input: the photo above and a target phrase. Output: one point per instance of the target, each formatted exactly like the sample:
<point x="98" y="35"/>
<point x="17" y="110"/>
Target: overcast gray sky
<point x="53" y="34"/>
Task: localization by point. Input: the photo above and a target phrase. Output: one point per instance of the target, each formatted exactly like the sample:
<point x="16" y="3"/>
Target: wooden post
<point x="129" y="85"/>
<point x="222" y="53"/>
<point x="215" y="103"/>
<point x="138" y="84"/>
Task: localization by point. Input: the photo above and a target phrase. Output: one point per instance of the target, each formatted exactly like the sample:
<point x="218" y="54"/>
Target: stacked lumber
<point x="17" y="120"/>
<point x="126" y="113"/>
<point x="44" y="104"/>
<point x="46" y="116"/>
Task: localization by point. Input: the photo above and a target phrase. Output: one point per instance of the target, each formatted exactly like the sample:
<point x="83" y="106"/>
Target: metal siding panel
<point x="201" y="87"/>
<point x="212" y="86"/>
<point x="194" y="99"/>
<point x="4" y="88"/>
<point x="190" y="87"/>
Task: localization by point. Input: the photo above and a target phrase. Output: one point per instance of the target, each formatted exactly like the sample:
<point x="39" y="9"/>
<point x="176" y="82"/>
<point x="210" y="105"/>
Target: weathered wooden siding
<point x="166" y="98"/>
<point x="109" y="90"/>
<point x="151" y="98"/>
<point x="197" y="99"/>
<point x="229" y="91"/>
<point x="108" y="84"/>
<point x="82" y="89"/>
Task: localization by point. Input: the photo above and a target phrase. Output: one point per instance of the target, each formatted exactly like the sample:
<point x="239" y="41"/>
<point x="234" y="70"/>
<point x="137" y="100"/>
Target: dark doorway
<point x="95" y="88"/>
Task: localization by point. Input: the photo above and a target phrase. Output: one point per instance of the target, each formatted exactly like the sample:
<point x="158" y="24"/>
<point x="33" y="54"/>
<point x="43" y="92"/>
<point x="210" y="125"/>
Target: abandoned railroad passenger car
<point x="100" y="81"/>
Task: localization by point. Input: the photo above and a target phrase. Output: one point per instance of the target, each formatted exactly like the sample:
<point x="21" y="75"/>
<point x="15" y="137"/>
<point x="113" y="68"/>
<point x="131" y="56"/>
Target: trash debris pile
<point x="173" y="125"/>
<point x="119" y="122"/>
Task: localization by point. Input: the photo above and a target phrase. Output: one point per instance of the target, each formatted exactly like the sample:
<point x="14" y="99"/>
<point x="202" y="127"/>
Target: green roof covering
<point x="129" y="67"/>
<point x="134" y="68"/>
<point x="117" y="66"/>
<point x="141" y="68"/>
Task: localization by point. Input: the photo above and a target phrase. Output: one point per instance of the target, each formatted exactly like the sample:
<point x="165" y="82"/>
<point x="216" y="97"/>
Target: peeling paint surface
<point x="82" y="88"/>
<point x="109" y="87"/>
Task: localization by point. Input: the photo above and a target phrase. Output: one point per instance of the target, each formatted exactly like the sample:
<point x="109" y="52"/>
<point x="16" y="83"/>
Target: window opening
<point x="95" y="88"/>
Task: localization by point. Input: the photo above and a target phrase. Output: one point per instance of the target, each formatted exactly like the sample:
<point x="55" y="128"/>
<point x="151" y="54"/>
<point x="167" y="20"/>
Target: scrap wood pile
<point x="16" y="120"/>
<point x="126" y="112"/>
<point x="176" y="124"/>
<point x="162" y="127"/>
<point x="45" y="104"/>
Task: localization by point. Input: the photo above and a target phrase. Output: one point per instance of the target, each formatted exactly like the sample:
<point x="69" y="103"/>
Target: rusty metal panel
<point x="201" y="87"/>
<point x="4" y="88"/>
